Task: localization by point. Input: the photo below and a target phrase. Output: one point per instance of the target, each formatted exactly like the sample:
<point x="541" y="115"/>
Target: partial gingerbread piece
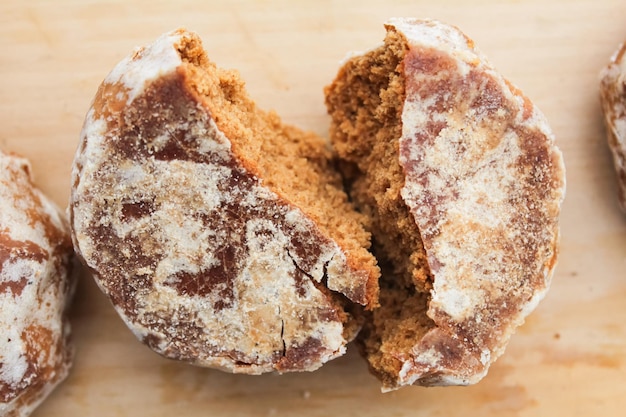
<point x="613" y="97"/>
<point x="222" y="236"/>
<point x="35" y="286"/>
<point x="463" y="183"/>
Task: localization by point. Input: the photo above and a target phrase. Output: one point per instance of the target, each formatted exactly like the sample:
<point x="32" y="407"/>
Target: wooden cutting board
<point x="568" y="359"/>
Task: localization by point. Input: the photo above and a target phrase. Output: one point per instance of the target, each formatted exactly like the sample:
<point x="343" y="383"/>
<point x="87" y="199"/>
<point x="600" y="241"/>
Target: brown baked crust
<point x="482" y="183"/>
<point x="613" y="99"/>
<point x="206" y="259"/>
<point x="35" y="286"/>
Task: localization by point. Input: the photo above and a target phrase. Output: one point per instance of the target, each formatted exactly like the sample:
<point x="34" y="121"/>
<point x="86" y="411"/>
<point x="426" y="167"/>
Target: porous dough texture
<point x="222" y="236"/>
<point x="35" y="290"/>
<point x="460" y="176"/>
<point x="613" y="98"/>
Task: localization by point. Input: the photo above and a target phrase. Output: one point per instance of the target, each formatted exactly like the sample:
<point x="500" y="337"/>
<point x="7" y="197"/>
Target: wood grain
<point x="570" y="356"/>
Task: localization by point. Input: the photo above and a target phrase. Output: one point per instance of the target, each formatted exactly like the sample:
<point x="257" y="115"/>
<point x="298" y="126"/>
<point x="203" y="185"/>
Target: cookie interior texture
<point x="296" y="165"/>
<point x="367" y="97"/>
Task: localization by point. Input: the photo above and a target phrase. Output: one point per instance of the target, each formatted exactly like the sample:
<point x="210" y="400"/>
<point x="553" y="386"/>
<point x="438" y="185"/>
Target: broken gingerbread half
<point x="460" y="177"/>
<point x="221" y="235"/>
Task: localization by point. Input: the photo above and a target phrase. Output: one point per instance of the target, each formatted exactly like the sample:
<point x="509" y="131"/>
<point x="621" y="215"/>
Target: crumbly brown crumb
<point x="365" y="102"/>
<point x="296" y="165"/>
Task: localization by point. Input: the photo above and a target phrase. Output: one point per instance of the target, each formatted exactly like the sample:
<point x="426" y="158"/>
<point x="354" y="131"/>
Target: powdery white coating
<point x="613" y="97"/>
<point x="484" y="182"/>
<point x="34" y="291"/>
<point x="422" y="30"/>
<point x="202" y="262"/>
<point x="157" y="60"/>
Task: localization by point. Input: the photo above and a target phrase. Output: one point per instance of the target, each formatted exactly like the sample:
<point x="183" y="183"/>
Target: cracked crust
<point x="207" y="254"/>
<point x="613" y="98"/>
<point x="35" y="287"/>
<point x="464" y="183"/>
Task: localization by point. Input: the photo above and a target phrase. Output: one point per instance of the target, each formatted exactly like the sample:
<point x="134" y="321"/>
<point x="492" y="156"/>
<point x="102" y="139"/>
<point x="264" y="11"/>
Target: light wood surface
<point x="568" y="359"/>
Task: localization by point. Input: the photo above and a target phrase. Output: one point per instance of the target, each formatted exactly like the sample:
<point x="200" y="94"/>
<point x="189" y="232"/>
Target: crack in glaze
<point x="295" y="264"/>
<point x="282" y="334"/>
